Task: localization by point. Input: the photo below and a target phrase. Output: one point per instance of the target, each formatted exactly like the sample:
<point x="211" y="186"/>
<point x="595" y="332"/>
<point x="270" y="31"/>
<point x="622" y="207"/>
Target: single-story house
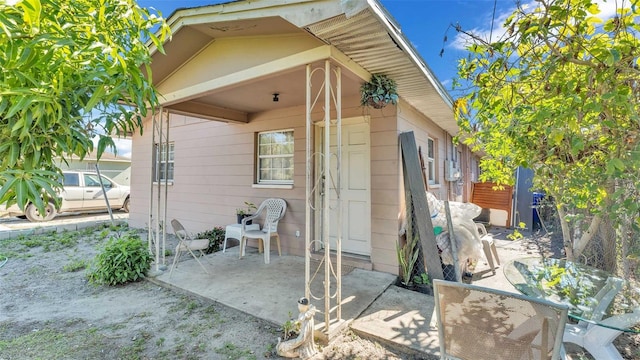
<point x="115" y="166"/>
<point x="239" y="81"/>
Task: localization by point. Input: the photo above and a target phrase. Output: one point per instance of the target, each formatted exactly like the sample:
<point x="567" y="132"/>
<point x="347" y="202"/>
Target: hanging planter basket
<point x="378" y="92"/>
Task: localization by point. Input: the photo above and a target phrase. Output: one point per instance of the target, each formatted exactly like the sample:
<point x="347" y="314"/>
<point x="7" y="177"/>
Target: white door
<point x="355" y="184"/>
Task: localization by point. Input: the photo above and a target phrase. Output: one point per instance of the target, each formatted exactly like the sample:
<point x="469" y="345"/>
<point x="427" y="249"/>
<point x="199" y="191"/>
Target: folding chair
<point x="187" y="244"/>
<point x="480" y="323"/>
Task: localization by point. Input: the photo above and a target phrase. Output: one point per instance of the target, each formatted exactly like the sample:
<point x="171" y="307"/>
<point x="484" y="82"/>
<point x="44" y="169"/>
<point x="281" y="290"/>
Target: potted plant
<point x="248" y="210"/>
<point x="407" y="254"/>
<point x="378" y="92"/>
<point x="422" y="284"/>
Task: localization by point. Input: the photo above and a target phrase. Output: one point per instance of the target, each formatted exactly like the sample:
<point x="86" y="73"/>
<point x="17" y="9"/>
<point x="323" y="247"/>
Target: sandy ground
<point x="48" y="310"/>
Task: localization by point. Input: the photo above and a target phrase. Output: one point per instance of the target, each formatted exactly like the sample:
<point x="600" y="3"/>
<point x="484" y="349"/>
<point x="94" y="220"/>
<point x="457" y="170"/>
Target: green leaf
<point x="6" y="188"/>
<point x="21" y="193"/>
<point x="615" y="55"/>
<point x="577" y="145"/>
<point x="614" y="166"/>
<point x="15" y="154"/>
<point x="593" y="9"/>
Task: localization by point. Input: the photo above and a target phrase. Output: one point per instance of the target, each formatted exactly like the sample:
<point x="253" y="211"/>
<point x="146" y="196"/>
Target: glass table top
<point x="592" y="295"/>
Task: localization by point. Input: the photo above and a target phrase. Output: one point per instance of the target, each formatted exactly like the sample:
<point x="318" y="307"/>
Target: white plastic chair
<point x="598" y="339"/>
<point x="488" y="246"/>
<point x="187" y="244"/>
<point x="275" y="209"/>
<point x="481" y="323"/>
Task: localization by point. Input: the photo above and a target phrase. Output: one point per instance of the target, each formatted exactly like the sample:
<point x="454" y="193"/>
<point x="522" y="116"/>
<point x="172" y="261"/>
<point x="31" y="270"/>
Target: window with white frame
<point x="166" y="161"/>
<point x="275" y="157"/>
<point x="431" y="161"/>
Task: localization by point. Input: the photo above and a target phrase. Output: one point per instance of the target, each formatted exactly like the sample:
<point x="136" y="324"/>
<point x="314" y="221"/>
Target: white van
<point x="82" y="193"/>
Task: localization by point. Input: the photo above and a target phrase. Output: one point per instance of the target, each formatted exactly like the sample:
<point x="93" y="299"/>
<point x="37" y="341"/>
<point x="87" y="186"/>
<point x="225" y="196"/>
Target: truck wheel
<point x="31" y="212"/>
<point x="125" y="206"/>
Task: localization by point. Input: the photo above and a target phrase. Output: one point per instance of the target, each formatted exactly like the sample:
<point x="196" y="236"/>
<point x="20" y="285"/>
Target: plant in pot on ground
<point x="248" y="210"/>
<point x="290" y="328"/>
<point x="422" y="283"/>
<point x="378" y="92"/>
<point x="408" y="254"/>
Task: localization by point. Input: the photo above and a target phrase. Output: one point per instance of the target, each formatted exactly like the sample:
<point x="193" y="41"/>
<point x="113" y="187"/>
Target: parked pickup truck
<point x="82" y="193"/>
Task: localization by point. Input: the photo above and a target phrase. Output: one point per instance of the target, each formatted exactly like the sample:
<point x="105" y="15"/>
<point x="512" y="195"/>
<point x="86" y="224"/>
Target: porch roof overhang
<point x="357" y="34"/>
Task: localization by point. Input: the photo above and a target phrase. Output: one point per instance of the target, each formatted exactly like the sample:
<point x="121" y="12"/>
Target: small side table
<point x="234" y="231"/>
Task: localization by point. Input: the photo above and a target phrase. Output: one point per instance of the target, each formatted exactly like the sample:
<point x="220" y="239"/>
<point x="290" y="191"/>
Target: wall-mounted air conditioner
<point x="452" y="171"/>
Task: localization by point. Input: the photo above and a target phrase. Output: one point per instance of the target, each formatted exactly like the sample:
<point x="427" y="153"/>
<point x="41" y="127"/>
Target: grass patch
<point x="75" y="265"/>
<point x="135" y="350"/>
<point x="22" y="246"/>
<point x="186" y="304"/>
<point x="53" y="344"/>
<point x="232" y="352"/>
<point x="210" y="313"/>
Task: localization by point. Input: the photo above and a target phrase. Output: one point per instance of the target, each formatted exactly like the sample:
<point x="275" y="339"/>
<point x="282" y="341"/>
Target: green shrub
<point x="215" y="236"/>
<point x="123" y="259"/>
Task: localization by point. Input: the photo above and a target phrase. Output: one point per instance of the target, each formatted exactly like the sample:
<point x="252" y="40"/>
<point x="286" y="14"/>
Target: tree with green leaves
<point x="559" y="93"/>
<point x="71" y="70"/>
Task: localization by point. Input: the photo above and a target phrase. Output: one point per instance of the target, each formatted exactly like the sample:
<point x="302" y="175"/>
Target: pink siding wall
<point x="423" y="128"/>
<point x="214" y="167"/>
<point x="384" y="189"/>
<point x="214" y="173"/>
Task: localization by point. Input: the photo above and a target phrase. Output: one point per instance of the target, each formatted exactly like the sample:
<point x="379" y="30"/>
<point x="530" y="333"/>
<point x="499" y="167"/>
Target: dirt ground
<point x="48" y="310"/>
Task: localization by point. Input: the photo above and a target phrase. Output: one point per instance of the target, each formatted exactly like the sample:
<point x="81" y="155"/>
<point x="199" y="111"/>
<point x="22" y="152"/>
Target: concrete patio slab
<point x="372" y="306"/>
<point x="270" y="291"/>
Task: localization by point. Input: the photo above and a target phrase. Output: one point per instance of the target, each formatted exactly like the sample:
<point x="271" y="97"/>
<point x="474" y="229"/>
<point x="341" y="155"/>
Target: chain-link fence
<point x="613" y="247"/>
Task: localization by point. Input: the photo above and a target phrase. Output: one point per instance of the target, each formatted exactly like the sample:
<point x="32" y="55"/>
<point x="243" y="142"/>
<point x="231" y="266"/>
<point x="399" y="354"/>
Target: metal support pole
<point x="166" y="196"/>
<point x="339" y="192"/>
<point x="308" y="173"/>
<point x="104" y="191"/>
<point x="154" y="167"/>
<point x="454" y="244"/>
<point x="327" y="188"/>
<point x="318" y="190"/>
<point x="159" y="198"/>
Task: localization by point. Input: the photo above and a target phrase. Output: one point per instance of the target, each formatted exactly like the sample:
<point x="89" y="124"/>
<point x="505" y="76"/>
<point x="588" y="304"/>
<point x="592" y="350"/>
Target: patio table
<point x="601" y="305"/>
<point x="234" y="231"/>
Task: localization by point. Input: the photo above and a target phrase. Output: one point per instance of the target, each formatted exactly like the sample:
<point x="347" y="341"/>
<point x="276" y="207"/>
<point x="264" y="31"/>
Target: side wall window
<point x="71" y="179"/>
<point x="166" y="160"/>
<point x="275" y="157"/>
<point x="431" y="161"/>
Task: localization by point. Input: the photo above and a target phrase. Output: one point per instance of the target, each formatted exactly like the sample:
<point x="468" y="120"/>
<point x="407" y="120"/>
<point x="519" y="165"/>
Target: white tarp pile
<point x="465" y="230"/>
